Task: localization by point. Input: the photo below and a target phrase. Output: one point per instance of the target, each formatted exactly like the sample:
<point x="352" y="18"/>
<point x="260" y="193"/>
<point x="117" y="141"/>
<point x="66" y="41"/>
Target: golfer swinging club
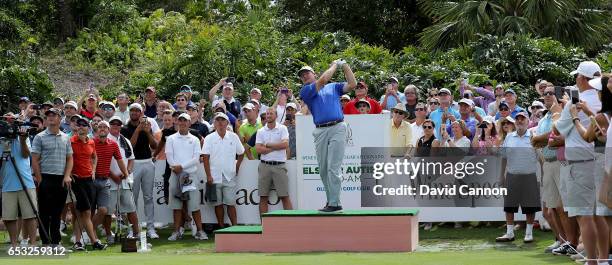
<point x="323" y="100"/>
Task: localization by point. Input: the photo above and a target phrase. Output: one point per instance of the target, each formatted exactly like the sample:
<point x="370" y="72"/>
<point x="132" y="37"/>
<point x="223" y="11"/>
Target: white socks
<point x="529" y="229"/>
<point x="510" y="230"/>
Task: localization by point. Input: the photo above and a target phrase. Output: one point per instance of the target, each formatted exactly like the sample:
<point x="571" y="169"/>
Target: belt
<point x="328" y="124"/>
<point x="143" y="160"/>
<point x="274" y="163"/>
<point x="550" y="159"/>
<point x="579" y="161"/>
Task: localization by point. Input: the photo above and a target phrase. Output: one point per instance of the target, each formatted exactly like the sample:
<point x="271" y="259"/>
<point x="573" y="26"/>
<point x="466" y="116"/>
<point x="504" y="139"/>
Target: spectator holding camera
<point x="283" y="97"/>
<point x="392" y="95"/>
<point x="232" y="105"/>
<point x="15" y="204"/>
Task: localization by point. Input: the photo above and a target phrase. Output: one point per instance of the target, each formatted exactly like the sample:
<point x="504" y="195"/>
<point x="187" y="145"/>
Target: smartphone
<point x="567" y="90"/>
<point x="559" y="90"/>
<point x="575" y="96"/>
<point x="284" y="90"/>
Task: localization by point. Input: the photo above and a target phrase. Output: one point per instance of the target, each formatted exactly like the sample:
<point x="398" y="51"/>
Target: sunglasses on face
<point x="398" y="112"/>
<point x="434" y="103"/>
<point x="409" y="93"/>
<point x="504" y="109"/>
<point x="115" y="124"/>
<point x="428" y="127"/>
<point x="442" y="94"/>
<point x="537" y="107"/>
<point x="420" y="109"/>
<point x="107" y="109"/>
<point x="549" y="93"/>
<point x="181" y="99"/>
<point x="82" y="124"/>
<point x="360" y="87"/>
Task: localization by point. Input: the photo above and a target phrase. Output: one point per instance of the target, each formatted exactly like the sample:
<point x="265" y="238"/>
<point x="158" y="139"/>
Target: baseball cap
<point x="221" y="115"/>
<point x="467" y="101"/>
<point x="255" y="101"/>
<point x="291" y="105"/>
<point x="218" y="104"/>
<point x="487" y="83"/>
<point x="71" y="104"/>
<point x="75" y="117"/>
<point x="24" y="99"/>
<point x="135" y="106"/>
<point x="83" y="121"/>
<point x="393" y="79"/>
<point x="36" y="117"/>
<point x="362" y="84"/>
<point x="445" y="90"/>
<point x="256" y="90"/>
<point x="115" y="118"/>
<point x="108" y="103"/>
<point x="185" y="116"/>
<point x="248" y="106"/>
<point x="304" y="68"/>
<point x="58" y="101"/>
<point x="509" y="90"/>
<point x="150" y="88"/>
<point x="509" y="118"/>
<point x="228" y="85"/>
<point x="543" y="83"/>
<point x="522" y="113"/>
<point x="185" y="88"/>
<point x="588" y="69"/>
<point x="537" y="103"/>
<point x="362" y="101"/>
<point x="400" y="107"/>
<point x="191" y="106"/>
<point x="347" y="97"/>
<point x="54" y="111"/>
<point x="104" y="123"/>
<point x="596" y="83"/>
<point x="489" y="119"/>
<point x="47" y="103"/>
<point x="503" y="104"/>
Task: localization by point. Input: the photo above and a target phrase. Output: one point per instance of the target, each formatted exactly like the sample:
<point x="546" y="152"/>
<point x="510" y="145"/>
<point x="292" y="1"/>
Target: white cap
<point x="445" y="90"/>
<point x="115" y="118"/>
<point x="467" y="101"/>
<point x="489" y="119"/>
<point x="588" y="69"/>
<point x="105" y="123"/>
<point x="248" y="106"/>
<point x="109" y="103"/>
<point x="221" y="115"/>
<point x="291" y="105"/>
<point x="256" y="90"/>
<point x="304" y="68"/>
<point x="522" y="113"/>
<point x="184" y="116"/>
<point x="537" y="103"/>
<point x="230" y="85"/>
<point x="71" y="104"/>
<point x="509" y="118"/>
<point x="596" y="83"/>
<point x="216" y="104"/>
<point x="345" y="96"/>
<point x="135" y="106"/>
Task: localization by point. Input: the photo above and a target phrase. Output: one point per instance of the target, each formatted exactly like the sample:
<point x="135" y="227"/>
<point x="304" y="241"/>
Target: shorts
<point x="101" y="193"/>
<point x="273" y="177"/>
<point x="524" y="192"/>
<point x="126" y="201"/>
<point x="550" y="184"/>
<point x="83" y="189"/>
<point x="15" y="205"/>
<point x="601" y="209"/>
<point x="564" y="171"/>
<point x="226" y="193"/>
<point x="193" y="204"/>
<point x="581" y="189"/>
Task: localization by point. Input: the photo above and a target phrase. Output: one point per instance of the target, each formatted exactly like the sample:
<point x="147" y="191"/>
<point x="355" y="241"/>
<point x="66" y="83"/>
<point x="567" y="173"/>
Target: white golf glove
<point x="340" y="62"/>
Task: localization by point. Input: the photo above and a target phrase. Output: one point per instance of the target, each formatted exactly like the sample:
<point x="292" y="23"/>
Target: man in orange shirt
<point x="361" y="92"/>
<point x="85" y="160"/>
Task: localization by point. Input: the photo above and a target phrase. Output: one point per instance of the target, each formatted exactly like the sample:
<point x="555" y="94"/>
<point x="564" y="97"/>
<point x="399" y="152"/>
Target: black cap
<point x="487" y="83"/>
<point x="54" y="111"/>
<point x="36" y="118"/>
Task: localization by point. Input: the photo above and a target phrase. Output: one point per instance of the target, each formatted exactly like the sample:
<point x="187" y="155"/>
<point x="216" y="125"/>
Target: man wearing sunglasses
<point x="150" y="102"/>
<point x="108" y="110"/>
<point x="485" y="92"/>
<point x="417" y="126"/>
<point x="510" y="99"/>
<point x="445" y="113"/>
<point x="361" y="92"/>
<point x="401" y="131"/>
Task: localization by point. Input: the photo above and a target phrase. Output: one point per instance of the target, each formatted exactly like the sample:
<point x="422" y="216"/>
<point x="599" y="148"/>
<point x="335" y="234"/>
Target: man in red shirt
<point x="85" y="160"/>
<point x="106" y="150"/>
<point x="361" y="92"/>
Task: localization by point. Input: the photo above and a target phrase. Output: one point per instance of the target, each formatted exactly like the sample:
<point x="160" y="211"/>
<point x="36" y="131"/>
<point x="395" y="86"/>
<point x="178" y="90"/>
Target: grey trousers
<point x="329" y="144"/>
<point x="144" y="176"/>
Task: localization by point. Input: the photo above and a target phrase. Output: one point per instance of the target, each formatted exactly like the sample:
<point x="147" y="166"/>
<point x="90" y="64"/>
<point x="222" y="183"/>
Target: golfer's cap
<point x="363" y="101"/>
<point x="421" y="105"/>
<point x="537" y="103"/>
<point x="588" y="69"/>
<point x="221" y="115"/>
<point x="304" y="68"/>
<point x="393" y="79"/>
<point x="105" y="123"/>
<point x="58" y="101"/>
<point x="218" y="103"/>
<point x="185" y="88"/>
<point x="36" y="117"/>
<point x="256" y="90"/>
<point x="150" y="88"/>
<point x="509" y="90"/>
<point x="108" y="103"/>
<point x="596" y="83"/>
<point x="362" y="84"/>
<point x="184" y="116"/>
<point x="467" y="101"/>
<point x="228" y="85"/>
<point x="522" y="113"/>
<point x="24" y="99"/>
<point x="291" y="105"/>
<point x="75" y="117"/>
<point x="343" y="97"/>
<point x="499" y="86"/>
<point x="445" y="90"/>
<point x="54" y="111"/>
<point x="115" y="118"/>
<point x="135" y="106"/>
<point x="71" y="104"/>
<point x="248" y="106"/>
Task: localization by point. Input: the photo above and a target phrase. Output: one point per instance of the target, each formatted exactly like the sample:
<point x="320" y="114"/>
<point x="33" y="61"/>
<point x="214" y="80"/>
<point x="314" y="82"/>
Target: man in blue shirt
<point x="445" y="113"/>
<point x="467" y="110"/>
<point x="323" y="100"/>
<point x="392" y="96"/>
<point x="510" y="99"/>
<point x="15" y="203"/>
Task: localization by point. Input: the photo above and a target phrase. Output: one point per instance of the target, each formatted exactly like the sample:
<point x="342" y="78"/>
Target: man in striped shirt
<point x="106" y="150"/>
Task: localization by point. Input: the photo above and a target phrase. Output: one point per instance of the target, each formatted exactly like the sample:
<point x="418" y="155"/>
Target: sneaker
<point x="200" y="235"/>
<point x="24" y="242"/>
<point x="427" y="226"/>
<point x="553" y="246"/>
<point x="331" y="209"/>
<point x="528" y="238"/>
<point x="78" y="247"/>
<point x="152" y="234"/>
<point x="565" y="249"/>
<point x="110" y="239"/>
<point x="505" y="238"/>
<point x="323" y="209"/>
<point x="175" y="236"/>
<point x="99" y="246"/>
<point x="194" y="228"/>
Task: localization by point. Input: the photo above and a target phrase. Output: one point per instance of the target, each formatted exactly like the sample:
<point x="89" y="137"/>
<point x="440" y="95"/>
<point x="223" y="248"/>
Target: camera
<point x="230" y="80"/>
<point x="289" y="117"/>
<point x="10" y="129"/>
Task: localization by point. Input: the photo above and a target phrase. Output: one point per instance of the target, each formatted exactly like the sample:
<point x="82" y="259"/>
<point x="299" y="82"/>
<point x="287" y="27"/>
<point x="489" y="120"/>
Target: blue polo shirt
<point x="10" y="180"/>
<point x="324" y="104"/>
<point x="470" y="123"/>
<point x="436" y="117"/>
<point x="515" y="111"/>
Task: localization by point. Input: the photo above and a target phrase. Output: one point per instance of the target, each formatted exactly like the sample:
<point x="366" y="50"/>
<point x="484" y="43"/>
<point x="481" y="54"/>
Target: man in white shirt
<point x="183" y="156"/>
<point x="271" y="143"/>
<point x="125" y="195"/>
<point x="122" y="110"/>
<point x="420" y="111"/>
<point x="222" y="154"/>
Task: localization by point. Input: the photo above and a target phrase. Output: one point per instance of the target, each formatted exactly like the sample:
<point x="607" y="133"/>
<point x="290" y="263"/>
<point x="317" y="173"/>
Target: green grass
<point x="443" y="246"/>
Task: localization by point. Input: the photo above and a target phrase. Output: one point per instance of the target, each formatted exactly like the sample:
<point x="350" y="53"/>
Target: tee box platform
<point x="312" y="231"/>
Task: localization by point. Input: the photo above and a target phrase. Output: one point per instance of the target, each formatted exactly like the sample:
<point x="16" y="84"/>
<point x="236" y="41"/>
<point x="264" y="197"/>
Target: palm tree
<point x="575" y="22"/>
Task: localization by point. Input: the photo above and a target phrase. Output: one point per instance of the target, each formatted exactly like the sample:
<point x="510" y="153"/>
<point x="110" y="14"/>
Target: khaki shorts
<point x="226" y="193"/>
<point x="15" y="205"/>
<point x="273" y="177"/>
<point x="193" y="204"/>
<point x="551" y="182"/>
<point x="564" y="171"/>
<point x="127" y="202"/>
<point x="581" y="189"/>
